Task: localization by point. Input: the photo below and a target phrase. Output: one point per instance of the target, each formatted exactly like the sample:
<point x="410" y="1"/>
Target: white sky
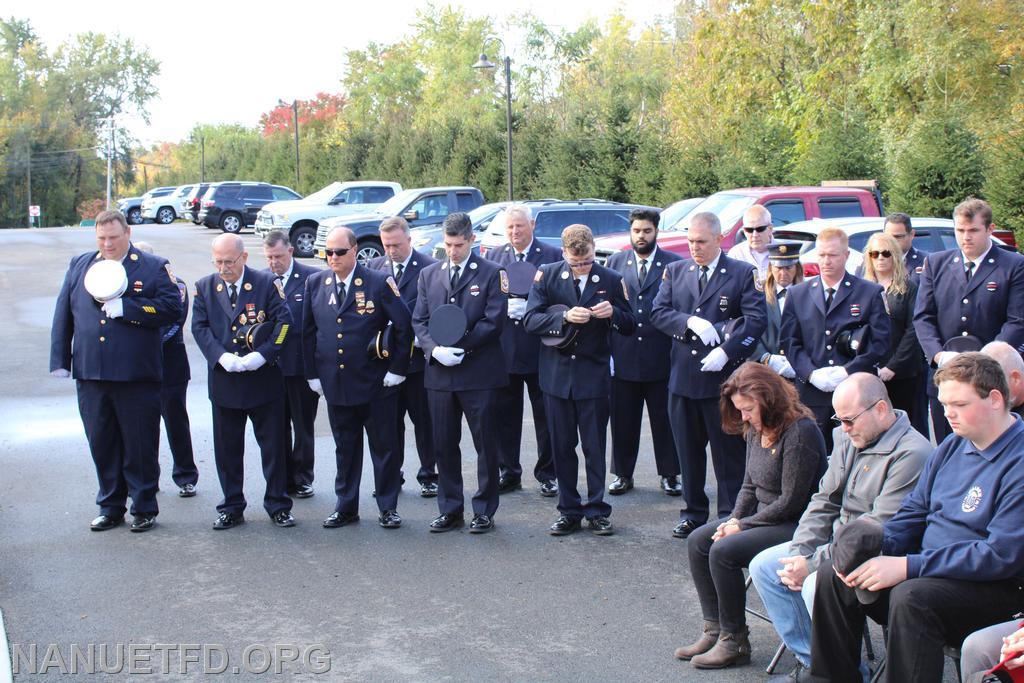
<point x="226" y="61"/>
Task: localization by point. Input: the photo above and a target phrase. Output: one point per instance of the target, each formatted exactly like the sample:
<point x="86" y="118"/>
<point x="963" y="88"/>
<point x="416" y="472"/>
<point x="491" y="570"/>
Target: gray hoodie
<point x="871" y="482"/>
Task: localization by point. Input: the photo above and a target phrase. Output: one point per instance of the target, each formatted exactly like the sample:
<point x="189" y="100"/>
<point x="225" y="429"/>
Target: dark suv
<point x="233" y="205"/>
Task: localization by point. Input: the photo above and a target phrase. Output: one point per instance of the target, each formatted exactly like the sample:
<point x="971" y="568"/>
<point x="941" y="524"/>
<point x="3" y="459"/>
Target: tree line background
<point x="925" y="96"/>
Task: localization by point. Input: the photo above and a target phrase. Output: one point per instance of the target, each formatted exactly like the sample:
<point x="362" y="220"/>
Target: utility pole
<point x="110" y="154"/>
<point x="202" y="158"/>
<point x="295" y="112"/>
<point x="28" y="183"/>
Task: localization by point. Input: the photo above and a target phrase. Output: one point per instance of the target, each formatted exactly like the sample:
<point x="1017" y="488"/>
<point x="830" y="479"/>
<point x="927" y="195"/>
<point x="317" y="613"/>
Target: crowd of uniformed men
<point x="462" y="338"/>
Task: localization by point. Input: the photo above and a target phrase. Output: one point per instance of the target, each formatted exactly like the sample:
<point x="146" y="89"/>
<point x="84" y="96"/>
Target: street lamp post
<point x="295" y="118"/>
<point x="484" y="63"/>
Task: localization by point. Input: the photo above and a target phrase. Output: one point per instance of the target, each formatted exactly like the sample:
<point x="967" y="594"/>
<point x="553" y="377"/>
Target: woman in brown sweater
<point x="785" y="460"/>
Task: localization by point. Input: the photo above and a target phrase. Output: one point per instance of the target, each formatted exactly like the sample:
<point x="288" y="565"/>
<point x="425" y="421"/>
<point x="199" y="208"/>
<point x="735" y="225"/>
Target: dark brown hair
<point x="971" y="207"/>
<point x="775" y="398"/>
<point x="983" y="373"/>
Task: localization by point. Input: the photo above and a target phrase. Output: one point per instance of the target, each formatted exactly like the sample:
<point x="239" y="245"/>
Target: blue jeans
<point x="790" y="611"/>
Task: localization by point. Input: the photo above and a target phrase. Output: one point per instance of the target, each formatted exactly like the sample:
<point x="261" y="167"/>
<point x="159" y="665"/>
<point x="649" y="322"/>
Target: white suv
<point x="165" y="209"/>
<point x="300" y="218"/>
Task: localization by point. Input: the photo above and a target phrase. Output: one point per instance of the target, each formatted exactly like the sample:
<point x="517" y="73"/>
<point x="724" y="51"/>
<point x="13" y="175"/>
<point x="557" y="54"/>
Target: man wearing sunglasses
<point x="344" y="310"/>
<point x="244" y="384"/>
<point x="757" y="228"/>
<point x="876" y="461"/>
<point x="696" y="294"/>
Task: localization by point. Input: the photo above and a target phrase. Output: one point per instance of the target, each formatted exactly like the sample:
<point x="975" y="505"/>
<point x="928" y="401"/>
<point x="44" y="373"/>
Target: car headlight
<point x="280" y="218"/>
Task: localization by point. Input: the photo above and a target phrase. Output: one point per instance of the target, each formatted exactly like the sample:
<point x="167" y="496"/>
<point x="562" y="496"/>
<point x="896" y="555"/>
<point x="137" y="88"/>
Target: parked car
<point x="553" y="216"/>
<point x="131" y="207"/>
<point x="192" y="202"/>
<point x="930" y="235"/>
<point x="430" y="239"/>
<point x="301" y="218"/>
<point x="673" y="217"/>
<point x="233" y="205"/>
<point x="167" y="208"/>
<point x="787" y="205"/>
<point x="421" y="207"/>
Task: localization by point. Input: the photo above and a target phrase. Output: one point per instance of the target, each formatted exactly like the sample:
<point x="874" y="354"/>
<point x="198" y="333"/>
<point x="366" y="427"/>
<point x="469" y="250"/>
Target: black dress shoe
<point x="105" y="522"/>
<point x="684" y="528"/>
<point x="446" y="522"/>
<point x="620" y="486"/>
<point x="227" y="520"/>
<point x="481" y="524"/>
<point x="187" y="490"/>
<point x="428" y="490"/>
<point x="600" y="526"/>
<point x="507" y="484"/>
<point x="141" y="523"/>
<point x="302" y="491"/>
<point x="338" y="519"/>
<point x="564" y="526"/>
<point x="389" y="519"/>
<point x="549" y="488"/>
<point x="671" y="486"/>
<point x="283" y="519"/>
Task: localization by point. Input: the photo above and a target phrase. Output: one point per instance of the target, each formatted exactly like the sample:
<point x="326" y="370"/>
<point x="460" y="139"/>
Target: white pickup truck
<point x="300" y="218"/>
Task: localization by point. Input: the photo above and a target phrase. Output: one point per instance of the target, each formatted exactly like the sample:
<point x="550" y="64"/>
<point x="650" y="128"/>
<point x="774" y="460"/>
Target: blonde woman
<point x="903" y="371"/>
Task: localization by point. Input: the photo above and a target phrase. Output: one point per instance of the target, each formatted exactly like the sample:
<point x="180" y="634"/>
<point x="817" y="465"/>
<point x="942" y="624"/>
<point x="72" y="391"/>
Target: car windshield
<point x="483" y="216"/>
<point x="326" y="194"/>
<point x="394" y="206"/>
<point x="672" y="215"/>
<point x="728" y="207"/>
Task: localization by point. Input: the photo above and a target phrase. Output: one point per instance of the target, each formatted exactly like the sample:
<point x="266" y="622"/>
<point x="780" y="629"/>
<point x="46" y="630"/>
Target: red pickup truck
<point x="786" y="204"/>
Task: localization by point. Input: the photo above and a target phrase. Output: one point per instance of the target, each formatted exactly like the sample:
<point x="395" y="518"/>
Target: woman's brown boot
<point x="706" y="641"/>
<point x="732" y="649"/>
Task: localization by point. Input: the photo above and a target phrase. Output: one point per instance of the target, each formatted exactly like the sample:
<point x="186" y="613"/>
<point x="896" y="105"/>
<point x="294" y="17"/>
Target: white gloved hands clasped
<point x="780" y="365"/>
<point x="114" y="308"/>
<point x="827" y="379"/>
<point x="230" y="362"/>
<point x="393" y="380"/>
<point x="449" y="356"/>
<point x="714" y="361"/>
<point x="516" y="308"/>
<point x="253" y="361"/>
<point x="314" y="384"/>
<point x="703" y="329"/>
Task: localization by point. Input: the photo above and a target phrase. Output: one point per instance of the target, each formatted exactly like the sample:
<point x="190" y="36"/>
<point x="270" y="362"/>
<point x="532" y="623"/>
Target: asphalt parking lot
<point x="368" y="604"/>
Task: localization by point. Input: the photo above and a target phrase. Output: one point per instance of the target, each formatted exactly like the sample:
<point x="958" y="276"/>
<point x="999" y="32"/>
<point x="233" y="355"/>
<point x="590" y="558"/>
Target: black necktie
<point x="341" y="293"/>
<point x="399" y="271"/>
<point x="520" y="257"/>
<point x="233" y="294"/>
<point x="970" y="270"/>
<point x="576" y="287"/>
<point x="455" y="276"/>
<point x="703" y="281"/>
<point x="781" y="294"/>
<point x="643" y="270"/>
<point x="828" y="298"/>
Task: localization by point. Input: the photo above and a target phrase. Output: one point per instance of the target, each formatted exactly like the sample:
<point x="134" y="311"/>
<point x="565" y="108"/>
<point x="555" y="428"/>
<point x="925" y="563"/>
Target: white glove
<point x="516" y="308"/>
<point x="315" y="385"/>
<point x="611" y="365"/>
<point x="114" y="308"/>
<point x="945" y="356"/>
<point x="230" y="362"/>
<point x="253" y="361"/>
<point x="447" y="355"/>
<point x="714" y="361"/>
<point x="837" y="375"/>
<point x="393" y="380"/>
<point x="787" y="370"/>
<point x="822" y="379"/>
<point x="703" y="329"/>
<point x="61" y="373"/>
<point x="416" y="342"/>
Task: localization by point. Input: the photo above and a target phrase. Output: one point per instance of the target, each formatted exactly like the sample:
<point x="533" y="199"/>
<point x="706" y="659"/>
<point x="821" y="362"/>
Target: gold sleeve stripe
<point x="149" y="309"/>
<point x="280" y="337"/>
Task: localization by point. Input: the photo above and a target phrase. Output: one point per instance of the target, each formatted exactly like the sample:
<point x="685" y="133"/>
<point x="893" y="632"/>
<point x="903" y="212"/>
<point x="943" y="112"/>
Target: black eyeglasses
<point x="337" y="252"/>
<point x="848" y="421"/>
<point x="755" y="228"/>
<point x="875" y="254"/>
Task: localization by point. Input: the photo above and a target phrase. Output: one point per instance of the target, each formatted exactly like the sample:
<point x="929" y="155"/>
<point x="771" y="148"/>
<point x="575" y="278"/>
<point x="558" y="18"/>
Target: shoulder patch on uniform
<point x="538" y="276"/>
<point x="504" y="280"/>
<point x="625" y="292"/>
<point x="170" y="273"/>
<point x="758" y="284"/>
<point x="279" y="286"/>
<point x="394" y="286"/>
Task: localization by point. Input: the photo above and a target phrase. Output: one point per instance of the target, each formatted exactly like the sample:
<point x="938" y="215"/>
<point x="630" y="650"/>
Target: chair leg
<point x="775" y="660"/>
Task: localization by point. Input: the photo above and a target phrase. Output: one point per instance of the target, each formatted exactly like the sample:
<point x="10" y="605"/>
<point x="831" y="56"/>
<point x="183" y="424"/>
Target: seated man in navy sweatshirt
<point x="952" y="557"/>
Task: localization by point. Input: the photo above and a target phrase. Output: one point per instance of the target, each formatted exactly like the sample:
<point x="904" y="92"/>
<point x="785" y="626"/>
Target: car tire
<point x="231" y="222"/>
<point x="134" y="216"/>
<point x="369" y="249"/>
<point x="165" y="215"/>
<point x="302" y="239"/>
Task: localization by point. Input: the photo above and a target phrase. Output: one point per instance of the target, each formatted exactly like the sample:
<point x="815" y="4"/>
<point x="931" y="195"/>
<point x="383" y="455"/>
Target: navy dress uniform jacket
<point x="990" y="306"/>
<point x="641" y="356"/>
<point x="290" y="357"/>
<point x="521" y="348"/>
<point x="126" y="349"/>
<point x="482" y="292"/>
<point x="809" y="333"/>
<point x="337" y="334"/>
<point x="408" y="286"/>
<point x="214" y="325"/>
<point x="579" y="371"/>
<point x="771" y="341"/>
<point x="175" y="358"/>
<point x="730" y="293"/>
